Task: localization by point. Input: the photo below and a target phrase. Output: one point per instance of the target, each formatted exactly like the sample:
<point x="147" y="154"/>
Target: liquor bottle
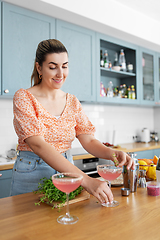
<point x="116" y="63"/>
<point x="110" y="89"/>
<point x="129" y="93"/>
<point x="133" y="92"/>
<point x="158" y="165"/>
<point x="101" y="59"/>
<point x="106" y="59"/>
<point x="122" y="61"/>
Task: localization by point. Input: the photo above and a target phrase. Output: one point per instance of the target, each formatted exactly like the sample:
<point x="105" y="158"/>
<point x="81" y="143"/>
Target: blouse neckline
<point x="63" y="112"/>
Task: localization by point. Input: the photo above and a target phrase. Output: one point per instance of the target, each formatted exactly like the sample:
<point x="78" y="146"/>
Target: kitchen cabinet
<point x="80" y="44"/>
<point x="148" y="154"/>
<point x="5" y="183"/>
<point x="148" y="77"/>
<point x="105" y="75"/>
<point x="157" y="98"/>
<point x="22" y="30"/>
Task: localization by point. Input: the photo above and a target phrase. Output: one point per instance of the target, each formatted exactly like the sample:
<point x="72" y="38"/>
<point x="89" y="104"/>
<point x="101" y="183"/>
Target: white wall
<point x="127" y="121"/>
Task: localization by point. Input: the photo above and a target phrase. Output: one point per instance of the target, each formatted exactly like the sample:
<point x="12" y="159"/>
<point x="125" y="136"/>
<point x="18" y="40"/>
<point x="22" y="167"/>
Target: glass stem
<point x="109" y="183"/>
<point x="67" y="207"/>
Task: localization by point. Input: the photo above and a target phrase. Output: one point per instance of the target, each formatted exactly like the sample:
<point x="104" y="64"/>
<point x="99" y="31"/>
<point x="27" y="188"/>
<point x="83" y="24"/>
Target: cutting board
<point x="82" y="196"/>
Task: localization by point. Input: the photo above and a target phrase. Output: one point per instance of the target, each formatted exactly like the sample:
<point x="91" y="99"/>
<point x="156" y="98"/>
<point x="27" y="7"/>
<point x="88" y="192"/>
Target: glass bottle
<point x="101" y="59"/>
<point x="129" y="93"/>
<point x="106" y="59"/>
<point x="122" y="61"/>
<point x="110" y="89"/>
<point x="116" y="63"/>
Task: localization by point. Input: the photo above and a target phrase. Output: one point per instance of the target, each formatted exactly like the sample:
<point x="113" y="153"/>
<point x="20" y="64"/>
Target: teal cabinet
<point x="157" y="94"/>
<point x="148" y="78"/>
<point x="22" y="30"/>
<point x="80" y="44"/>
<point x="117" y="77"/>
<point x="5" y="183"/>
<point x="148" y="154"/>
<point x="145" y="154"/>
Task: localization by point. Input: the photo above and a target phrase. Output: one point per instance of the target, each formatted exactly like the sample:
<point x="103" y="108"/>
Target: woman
<point x="47" y="120"/>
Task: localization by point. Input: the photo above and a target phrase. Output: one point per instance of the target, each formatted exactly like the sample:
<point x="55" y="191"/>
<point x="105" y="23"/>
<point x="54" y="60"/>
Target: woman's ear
<point x="38" y="67"/>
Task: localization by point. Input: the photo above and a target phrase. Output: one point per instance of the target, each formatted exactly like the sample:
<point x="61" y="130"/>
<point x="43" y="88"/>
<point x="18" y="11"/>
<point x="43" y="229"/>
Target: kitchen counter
<point x="137" y="217"/>
<point x="80" y="153"/>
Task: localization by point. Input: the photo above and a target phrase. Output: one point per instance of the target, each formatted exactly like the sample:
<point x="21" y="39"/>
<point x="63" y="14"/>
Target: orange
<point x="155" y="159"/>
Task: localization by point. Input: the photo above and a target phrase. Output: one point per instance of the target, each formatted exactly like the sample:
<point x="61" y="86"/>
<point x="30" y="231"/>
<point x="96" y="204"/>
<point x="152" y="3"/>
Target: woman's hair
<point x="45" y="47"/>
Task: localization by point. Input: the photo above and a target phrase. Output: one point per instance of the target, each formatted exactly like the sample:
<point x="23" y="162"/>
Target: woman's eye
<point x="52" y="68"/>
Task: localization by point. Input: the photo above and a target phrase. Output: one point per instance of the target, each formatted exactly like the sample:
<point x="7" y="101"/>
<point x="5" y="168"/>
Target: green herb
<point x="115" y="160"/>
<point x="51" y="193"/>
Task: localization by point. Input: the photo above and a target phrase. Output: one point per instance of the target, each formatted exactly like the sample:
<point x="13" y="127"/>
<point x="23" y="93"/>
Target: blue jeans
<point x="28" y="169"/>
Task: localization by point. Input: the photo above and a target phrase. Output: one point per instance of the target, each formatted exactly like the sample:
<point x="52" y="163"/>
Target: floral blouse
<point x="32" y="119"/>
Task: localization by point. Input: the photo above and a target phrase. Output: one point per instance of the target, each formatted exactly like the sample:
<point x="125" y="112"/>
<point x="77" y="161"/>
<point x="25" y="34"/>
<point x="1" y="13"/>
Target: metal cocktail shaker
<point x="130" y="177"/>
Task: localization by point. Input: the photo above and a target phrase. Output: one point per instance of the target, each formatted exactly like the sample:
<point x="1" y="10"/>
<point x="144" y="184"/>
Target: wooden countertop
<point x="128" y="147"/>
<point x="137" y="217"/>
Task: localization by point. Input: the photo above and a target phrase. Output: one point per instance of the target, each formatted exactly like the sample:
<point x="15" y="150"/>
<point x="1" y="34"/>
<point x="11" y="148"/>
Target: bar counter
<point x="137" y="217"/>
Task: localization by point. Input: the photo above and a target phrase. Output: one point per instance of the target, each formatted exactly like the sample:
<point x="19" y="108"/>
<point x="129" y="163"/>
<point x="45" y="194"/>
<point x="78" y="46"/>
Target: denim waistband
<point x="31" y="155"/>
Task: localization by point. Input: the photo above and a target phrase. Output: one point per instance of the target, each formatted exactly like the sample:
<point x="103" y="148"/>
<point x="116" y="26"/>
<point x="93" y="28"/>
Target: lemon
<point x="143" y="165"/>
<point x="151" y="173"/>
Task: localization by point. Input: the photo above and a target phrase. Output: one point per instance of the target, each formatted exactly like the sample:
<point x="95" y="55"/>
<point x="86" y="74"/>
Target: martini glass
<point x="109" y="172"/>
<point x="67" y="182"/>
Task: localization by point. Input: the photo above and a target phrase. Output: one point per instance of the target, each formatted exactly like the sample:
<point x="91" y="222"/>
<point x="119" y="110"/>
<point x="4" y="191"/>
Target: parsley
<point x="51" y="193"/>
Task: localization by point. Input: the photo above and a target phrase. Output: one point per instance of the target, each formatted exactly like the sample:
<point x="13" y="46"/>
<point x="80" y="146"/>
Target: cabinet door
<point x="148" y="80"/>
<point x="120" y="80"/>
<point x="80" y="44"/>
<point x="145" y="154"/>
<point x="5" y="183"/>
<point x="22" y="30"/>
<point x="157" y="93"/>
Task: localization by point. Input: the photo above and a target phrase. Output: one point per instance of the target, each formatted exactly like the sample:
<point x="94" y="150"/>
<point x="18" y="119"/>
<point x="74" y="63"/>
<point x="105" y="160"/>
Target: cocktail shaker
<point x="130" y="177"/>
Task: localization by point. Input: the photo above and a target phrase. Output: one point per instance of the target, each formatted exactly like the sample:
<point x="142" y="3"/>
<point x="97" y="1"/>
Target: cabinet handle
<point x="6" y="91"/>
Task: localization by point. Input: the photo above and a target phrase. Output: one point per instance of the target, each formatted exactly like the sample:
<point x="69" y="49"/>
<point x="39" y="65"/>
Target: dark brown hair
<point x="45" y="47"/>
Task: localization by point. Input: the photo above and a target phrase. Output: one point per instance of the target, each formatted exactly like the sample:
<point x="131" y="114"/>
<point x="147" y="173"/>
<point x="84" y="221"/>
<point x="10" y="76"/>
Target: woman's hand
<point x="123" y="159"/>
<point x="97" y="188"/>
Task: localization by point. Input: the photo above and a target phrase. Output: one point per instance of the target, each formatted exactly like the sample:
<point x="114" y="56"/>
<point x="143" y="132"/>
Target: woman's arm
<point x="53" y="158"/>
<point x="96" y="148"/>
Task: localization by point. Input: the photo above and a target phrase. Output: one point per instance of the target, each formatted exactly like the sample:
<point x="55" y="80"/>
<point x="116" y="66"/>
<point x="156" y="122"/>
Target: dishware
<point x="153" y="188"/>
<point x="109" y="172"/>
<point x="125" y="191"/>
<point x="67" y="182"/>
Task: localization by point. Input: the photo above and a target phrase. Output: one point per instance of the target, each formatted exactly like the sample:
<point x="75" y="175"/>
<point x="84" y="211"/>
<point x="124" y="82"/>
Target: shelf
<point x="117" y="74"/>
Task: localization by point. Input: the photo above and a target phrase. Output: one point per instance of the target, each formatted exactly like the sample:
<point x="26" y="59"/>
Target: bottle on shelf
<point x="116" y="63"/>
<point x="129" y="93"/>
<point x="102" y="90"/>
<point x="101" y="59"/>
<point x="110" y="89"/>
<point x="106" y="59"/>
<point x="133" y="92"/>
<point x="122" y="61"/>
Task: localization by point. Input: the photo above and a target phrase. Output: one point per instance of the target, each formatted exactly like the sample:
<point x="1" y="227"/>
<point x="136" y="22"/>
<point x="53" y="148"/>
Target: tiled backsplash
<point x="125" y="121"/>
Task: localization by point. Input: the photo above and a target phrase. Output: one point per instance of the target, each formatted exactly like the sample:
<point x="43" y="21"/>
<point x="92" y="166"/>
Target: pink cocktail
<point x="66" y="185"/>
<point x="110" y="175"/>
<point x="109" y="172"/>
<point x="67" y="182"/>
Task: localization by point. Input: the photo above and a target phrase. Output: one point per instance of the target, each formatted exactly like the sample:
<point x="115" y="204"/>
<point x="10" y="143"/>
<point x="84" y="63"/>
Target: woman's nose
<point x="59" y="72"/>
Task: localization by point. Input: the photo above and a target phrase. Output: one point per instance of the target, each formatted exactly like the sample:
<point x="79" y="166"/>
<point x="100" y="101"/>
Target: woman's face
<point x="54" y="70"/>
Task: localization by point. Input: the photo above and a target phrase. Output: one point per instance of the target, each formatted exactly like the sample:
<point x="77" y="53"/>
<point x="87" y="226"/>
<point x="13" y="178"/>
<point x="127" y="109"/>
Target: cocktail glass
<point x="67" y="182"/>
<point x="109" y="172"/>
